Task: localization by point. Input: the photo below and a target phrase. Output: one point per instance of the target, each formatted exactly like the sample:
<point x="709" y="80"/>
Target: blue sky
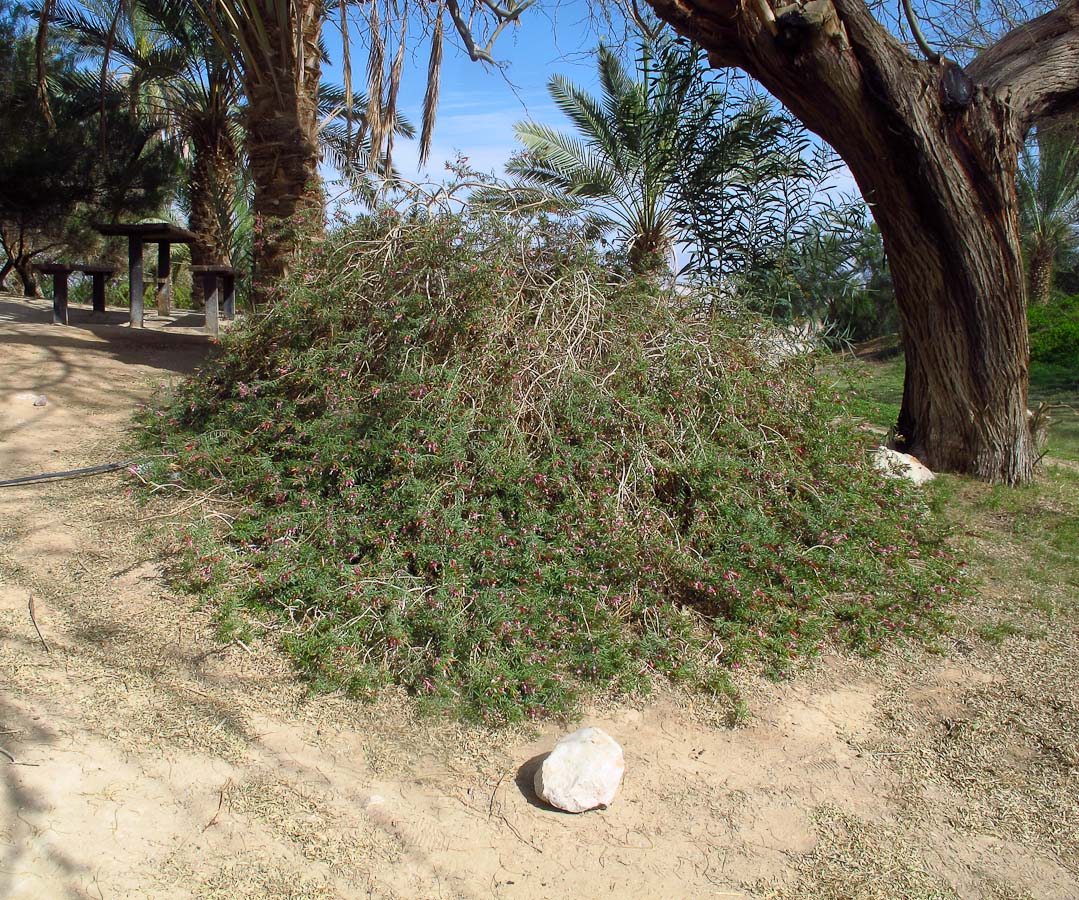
<point x="479" y="104"/>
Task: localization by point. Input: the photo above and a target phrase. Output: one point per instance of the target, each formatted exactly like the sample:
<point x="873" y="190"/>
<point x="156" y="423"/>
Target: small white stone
<point x="583" y="772"/>
<point x="40" y="401"/>
<point x="901" y="465"/>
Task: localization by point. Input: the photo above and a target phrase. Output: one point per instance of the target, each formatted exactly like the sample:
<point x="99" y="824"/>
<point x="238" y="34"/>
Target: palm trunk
<point x="282" y="146"/>
<point x="212" y="177"/>
<point x="1040" y="279"/>
<point x="938" y="164"/>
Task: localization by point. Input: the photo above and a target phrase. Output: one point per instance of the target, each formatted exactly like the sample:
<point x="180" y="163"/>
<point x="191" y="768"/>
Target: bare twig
<point x="225" y="788"/>
<point x="14" y="761"/>
<point x="33" y="618"/>
<point x="494" y="793"/>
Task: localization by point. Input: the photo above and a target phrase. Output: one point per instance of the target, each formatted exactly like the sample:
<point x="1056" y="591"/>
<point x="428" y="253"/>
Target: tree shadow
<point x="19" y="734"/>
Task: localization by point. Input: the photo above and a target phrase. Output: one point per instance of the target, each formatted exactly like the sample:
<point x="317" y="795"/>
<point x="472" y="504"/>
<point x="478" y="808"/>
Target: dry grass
<point x="856" y="860"/>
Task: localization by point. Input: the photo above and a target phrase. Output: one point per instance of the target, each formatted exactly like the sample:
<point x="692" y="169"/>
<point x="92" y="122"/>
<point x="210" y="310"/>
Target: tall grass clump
<point x="469" y="460"/>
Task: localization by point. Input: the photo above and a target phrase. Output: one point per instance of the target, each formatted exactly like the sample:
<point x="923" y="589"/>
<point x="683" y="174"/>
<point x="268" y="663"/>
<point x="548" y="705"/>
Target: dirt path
<point x="150" y="761"/>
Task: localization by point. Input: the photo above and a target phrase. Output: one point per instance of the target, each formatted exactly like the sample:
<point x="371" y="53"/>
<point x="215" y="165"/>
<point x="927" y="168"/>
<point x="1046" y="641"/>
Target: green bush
<point x="475" y="464"/>
<point x="1054" y="344"/>
<point x="1054" y="332"/>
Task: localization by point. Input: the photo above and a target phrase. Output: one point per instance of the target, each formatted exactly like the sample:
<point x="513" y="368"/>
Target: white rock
<point x="901" y="465"/>
<point x="583" y="771"/>
<point x="40" y="401"/>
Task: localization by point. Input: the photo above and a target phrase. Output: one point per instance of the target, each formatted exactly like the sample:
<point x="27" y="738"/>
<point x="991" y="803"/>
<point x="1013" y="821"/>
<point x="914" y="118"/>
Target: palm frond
<point x="430" y="97"/>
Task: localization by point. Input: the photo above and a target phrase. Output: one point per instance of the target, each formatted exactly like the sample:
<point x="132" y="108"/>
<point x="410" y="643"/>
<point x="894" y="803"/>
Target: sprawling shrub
<point x="474" y="464"/>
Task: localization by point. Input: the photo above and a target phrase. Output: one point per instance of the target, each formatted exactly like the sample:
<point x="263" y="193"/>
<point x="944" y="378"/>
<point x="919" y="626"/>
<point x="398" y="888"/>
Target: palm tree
<point x="1048" y="206"/>
<point x="636" y="149"/>
<point x="178" y="77"/>
<point x="274" y="47"/>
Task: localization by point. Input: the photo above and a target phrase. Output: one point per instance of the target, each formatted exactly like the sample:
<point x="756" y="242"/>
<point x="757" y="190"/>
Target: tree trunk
<point x="212" y="178"/>
<point x="1041" y="276"/>
<point x="282" y="146"/>
<point x="25" y="271"/>
<point x="936" y="156"/>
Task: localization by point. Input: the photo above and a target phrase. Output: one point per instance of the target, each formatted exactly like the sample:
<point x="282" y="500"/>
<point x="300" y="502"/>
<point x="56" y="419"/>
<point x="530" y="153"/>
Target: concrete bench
<point x="60" y="273"/>
<point x="219" y="287"/>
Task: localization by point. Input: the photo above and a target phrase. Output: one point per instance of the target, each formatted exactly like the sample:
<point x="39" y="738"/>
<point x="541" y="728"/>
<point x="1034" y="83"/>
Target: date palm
<point x="634" y="150"/>
<point x="275" y="49"/>
<point x="1048" y="187"/>
<point x="177" y="76"/>
<point x="275" y="46"/>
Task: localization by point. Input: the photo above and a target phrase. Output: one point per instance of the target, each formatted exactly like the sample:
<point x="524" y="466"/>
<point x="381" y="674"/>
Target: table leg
<point x="230" y="296"/>
<point x="164" y="278"/>
<point x="99" y="291"/>
<point x="134" y="279"/>
<point x="209" y="288"/>
<point x="59" y="298"/>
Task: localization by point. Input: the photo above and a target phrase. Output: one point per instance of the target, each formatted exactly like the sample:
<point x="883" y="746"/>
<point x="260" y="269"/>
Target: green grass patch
<point x="873" y="391"/>
<point x="471" y="461"/>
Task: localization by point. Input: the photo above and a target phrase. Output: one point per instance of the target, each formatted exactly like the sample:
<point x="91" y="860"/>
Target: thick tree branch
<point x="1035" y="67"/>
<point x="504" y="16"/>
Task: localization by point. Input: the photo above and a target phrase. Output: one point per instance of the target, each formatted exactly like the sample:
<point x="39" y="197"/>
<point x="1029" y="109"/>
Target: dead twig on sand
<point x="517" y="834"/>
<point x="33" y="618"/>
<point x="513" y="828"/>
<point x="225" y="788"/>
<point x="14" y="761"/>
<point x="494" y="793"/>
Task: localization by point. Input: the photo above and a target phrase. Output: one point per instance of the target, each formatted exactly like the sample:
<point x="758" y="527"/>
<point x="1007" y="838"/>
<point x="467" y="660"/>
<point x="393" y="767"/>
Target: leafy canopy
<point x="638" y="149"/>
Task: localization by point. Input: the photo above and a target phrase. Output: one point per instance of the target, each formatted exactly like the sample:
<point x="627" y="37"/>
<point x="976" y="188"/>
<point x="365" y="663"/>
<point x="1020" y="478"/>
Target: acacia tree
<point x="934" y="149"/>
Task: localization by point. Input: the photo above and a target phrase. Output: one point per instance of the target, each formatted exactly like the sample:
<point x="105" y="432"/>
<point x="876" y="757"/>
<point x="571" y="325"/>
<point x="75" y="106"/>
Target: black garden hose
<point x="70" y="473"/>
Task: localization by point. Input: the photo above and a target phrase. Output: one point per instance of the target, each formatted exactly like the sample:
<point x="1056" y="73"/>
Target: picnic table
<point x="60" y="273"/>
<point x="211" y="276"/>
<point x="164" y="235"/>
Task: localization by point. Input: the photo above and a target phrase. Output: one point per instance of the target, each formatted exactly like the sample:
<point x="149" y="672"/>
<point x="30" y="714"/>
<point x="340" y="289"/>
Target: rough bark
<point x="282" y="145"/>
<point x="212" y="175"/>
<point x="938" y="168"/>
<point x="1040" y="279"/>
<point x="25" y="271"/>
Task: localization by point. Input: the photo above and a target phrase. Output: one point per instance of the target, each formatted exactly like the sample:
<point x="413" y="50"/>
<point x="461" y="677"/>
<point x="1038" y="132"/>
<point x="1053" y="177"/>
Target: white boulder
<point x="583" y="772"/>
<point x="901" y="465"/>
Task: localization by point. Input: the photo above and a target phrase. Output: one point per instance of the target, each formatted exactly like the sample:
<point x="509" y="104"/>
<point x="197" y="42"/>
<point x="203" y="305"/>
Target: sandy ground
<point x="144" y="759"/>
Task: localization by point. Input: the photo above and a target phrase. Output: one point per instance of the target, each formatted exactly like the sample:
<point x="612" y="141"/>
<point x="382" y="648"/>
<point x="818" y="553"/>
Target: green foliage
<point x="1048" y="188"/>
<point x="641" y="150"/>
<point x="469" y="461"/>
<point x="828" y="267"/>
<point x="683" y="155"/>
<point x="56" y="180"/>
<point x="1054" y="336"/>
